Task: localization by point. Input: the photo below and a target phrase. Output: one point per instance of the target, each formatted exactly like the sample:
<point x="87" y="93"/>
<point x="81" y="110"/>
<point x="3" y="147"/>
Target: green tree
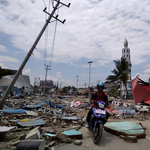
<point x="120" y="72"/>
<point x="113" y="92"/>
<point x="66" y="89"/>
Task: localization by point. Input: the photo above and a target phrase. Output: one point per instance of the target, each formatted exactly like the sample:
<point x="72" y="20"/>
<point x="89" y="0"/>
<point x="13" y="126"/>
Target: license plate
<point x="98" y="111"/>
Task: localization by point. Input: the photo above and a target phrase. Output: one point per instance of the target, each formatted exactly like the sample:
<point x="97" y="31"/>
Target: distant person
<point x="97" y="96"/>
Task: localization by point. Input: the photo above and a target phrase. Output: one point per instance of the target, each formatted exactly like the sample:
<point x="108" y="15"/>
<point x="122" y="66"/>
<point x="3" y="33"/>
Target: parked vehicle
<point x="98" y="119"/>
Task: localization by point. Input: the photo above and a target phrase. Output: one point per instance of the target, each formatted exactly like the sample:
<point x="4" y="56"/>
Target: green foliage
<point x="91" y="89"/>
<point x="113" y="92"/>
<point x="66" y="89"/>
<point x="120" y="72"/>
<point x="36" y="89"/>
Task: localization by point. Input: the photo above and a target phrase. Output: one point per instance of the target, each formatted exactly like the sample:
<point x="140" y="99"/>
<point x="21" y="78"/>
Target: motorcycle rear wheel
<point x="97" y="133"/>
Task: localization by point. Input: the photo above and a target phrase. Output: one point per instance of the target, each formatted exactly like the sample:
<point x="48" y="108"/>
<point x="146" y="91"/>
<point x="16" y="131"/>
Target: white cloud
<point x="146" y="74"/>
<point x="60" y="80"/>
<point x="94" y="30"/>
<point x="27" y="71"/>
<point x="8" y="59"/>
<point x="2" y="65"/>
<point x="3" y="48"/>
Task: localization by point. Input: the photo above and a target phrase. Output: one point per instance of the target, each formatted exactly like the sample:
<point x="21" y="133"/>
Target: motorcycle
<point x="98" y="119"/>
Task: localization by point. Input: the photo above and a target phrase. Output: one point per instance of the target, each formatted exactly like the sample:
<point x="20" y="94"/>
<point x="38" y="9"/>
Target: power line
<point x="46" y="31"/>
<point x="44" y="3"/>
<point x="53" y="43"/>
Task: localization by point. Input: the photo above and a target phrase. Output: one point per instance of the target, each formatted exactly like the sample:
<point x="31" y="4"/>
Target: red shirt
<point x="99" y="96"/>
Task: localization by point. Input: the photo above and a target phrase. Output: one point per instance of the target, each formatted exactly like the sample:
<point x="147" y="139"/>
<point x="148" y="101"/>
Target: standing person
<point x="97" y="96"/>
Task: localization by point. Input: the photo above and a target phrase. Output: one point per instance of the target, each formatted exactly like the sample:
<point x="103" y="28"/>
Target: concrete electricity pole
<point x="32" y="49"/>
<point x="77" y="81"/>
<point x="47" y="68"/>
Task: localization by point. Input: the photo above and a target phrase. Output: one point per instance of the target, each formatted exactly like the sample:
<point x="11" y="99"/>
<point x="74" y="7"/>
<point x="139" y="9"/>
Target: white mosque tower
<point x="126" y="54"/>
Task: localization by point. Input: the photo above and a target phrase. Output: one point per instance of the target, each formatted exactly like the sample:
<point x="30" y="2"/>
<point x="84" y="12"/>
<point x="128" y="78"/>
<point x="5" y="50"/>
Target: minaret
<point x="126" y="54"/>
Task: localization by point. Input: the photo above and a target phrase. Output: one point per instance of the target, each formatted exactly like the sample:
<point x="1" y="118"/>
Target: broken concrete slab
<point x="50" y="136"/>
<point x="131" y="139"/>
<point x="49" y="130"/>
<point x="15" y="143"/>
<point x="3" y="130"/>
<point x="77" y="142"/>
<point x="73" y="134"/>
<point x="31" y="113"/>
<point x="125" y="128"/>
<point x="67" y="140"/>
<point x="33" y="106"/>
<point x="71" y="118"/>
<point x="31" y="145"/>
<point x="31" y="123"/>
<point x="34" y="134"/>
<point x="52" y="143"/>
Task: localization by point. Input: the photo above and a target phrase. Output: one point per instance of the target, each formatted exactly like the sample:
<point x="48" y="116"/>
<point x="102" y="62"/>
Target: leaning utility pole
<point x="32" y="49"/>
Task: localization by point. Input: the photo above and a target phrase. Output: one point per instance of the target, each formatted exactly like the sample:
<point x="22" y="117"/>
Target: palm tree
<point x="120" y="72"/>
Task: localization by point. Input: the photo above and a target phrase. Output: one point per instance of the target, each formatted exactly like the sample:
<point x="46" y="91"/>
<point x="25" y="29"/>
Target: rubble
<point x="31" y="144"/>
<point x="129" y="131"/>
<point x="54" y="120"/>
<point x="77" y="142"/>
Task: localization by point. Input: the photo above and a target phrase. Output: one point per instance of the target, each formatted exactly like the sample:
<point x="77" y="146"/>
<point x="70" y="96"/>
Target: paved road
<point x="110" y="141"/>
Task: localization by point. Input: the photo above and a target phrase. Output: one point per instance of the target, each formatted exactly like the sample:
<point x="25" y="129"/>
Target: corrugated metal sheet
<point x="139" y="92"/>
<point x="31" y="123"/>
<point x="147" y="99"/>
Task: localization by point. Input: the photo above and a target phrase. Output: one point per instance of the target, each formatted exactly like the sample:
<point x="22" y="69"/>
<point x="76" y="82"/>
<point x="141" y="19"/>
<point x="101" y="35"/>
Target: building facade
<point x="48" y="86"/>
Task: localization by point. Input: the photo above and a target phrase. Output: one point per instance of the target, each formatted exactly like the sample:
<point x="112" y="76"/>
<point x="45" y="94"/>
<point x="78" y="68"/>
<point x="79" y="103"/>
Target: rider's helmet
<point x="100" y="84"/>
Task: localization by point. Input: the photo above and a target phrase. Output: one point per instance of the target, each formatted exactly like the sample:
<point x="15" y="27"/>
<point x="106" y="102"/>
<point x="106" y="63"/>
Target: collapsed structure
<point x="141" y="91"/>
<point x="23" y="82"/>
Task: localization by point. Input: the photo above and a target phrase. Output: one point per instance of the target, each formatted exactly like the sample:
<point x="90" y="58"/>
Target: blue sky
<point x="94" y="30"/>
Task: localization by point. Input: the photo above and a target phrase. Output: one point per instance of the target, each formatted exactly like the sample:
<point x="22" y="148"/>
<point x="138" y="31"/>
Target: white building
<point x="126" y="54"/>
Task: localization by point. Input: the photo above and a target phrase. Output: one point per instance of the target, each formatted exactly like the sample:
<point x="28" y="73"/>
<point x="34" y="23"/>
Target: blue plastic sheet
<point x="33" y="106"/>
<point x="15" y="111"/>
<point x="126" y="111"/>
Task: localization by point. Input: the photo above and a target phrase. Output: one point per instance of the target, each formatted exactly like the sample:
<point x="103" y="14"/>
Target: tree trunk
<point x="126" y="90"/>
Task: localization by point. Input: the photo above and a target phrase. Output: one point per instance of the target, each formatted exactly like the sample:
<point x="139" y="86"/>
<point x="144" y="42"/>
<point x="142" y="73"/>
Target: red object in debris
<point x="147" y="99"/>
<point x="138" y="91"/>
<point x="109" y="110"/>
<point x="116" y="112"/>
<point x="76" y="104"/>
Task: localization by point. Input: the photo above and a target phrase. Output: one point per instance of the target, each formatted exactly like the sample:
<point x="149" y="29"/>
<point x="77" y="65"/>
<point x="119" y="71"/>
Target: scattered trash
<point x="48" y="121"/>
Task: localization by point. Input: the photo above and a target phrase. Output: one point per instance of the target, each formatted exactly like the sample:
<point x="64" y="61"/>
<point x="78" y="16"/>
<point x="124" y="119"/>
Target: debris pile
<point x="127" y="109"/>
<point x="50" y="121"/>
<point x="42" y="120"/>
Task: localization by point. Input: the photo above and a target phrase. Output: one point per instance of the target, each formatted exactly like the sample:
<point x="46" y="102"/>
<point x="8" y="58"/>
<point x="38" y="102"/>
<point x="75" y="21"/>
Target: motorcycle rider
<point x="97" y="96"/>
